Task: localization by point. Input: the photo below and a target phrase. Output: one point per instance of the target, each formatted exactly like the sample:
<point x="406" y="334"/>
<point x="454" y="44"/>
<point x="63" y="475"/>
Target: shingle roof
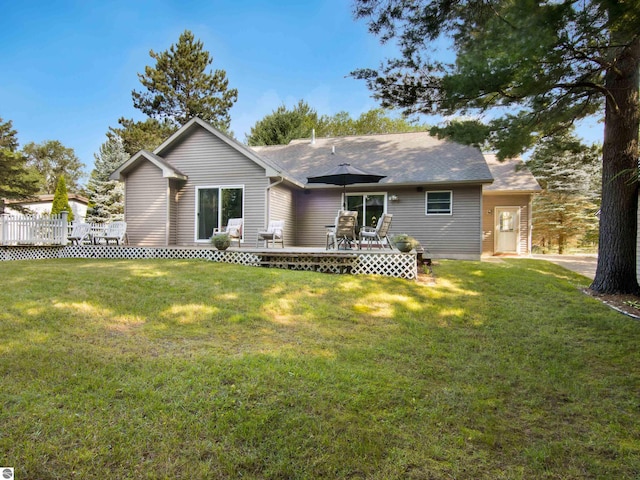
<point x="405" y="158"/>
<point x="510" y="175"/>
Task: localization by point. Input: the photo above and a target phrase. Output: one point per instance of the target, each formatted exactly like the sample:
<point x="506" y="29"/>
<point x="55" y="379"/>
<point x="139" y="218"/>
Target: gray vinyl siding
<point x="146" y="212"/>
<point x="444" y="236"/>
<point x="282" y="207"/>
<point x="208" y="161"/>
<point x="490" y="202"/>
<point x="314" y="210"/>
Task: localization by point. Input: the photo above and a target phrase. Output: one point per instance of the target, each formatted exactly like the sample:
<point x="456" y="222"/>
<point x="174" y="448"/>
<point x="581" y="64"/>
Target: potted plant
<point x="221" y="241"/>
<point x="403" y="242"/>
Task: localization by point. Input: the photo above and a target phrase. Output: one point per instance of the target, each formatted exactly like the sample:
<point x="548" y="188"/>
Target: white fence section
<point x="33" y="229"/>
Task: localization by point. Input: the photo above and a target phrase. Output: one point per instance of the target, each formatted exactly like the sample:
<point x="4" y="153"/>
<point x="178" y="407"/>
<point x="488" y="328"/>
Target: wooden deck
<point x="354" y="261"/>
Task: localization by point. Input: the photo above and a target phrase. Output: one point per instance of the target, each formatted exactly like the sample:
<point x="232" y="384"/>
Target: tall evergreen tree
<point x="52" y="160"/>
<point x="569" y="175"/>
<point x="61" y="199"/>
<point x="17" y="180"/>
<point x="540" y="66"/>
<point x="106" y="197"/>
<point x="178" y="87"/>
<point x="142" y="135"/>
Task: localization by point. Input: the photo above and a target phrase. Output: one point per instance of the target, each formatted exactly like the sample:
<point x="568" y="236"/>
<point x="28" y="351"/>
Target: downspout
<point x="267" y="210"/>
<point x="167" y="232"/>
<point x="530" y="219"/>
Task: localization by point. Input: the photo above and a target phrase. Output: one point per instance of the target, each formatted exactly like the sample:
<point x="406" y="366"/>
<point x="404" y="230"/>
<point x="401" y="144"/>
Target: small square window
<point x="439" y="203"/>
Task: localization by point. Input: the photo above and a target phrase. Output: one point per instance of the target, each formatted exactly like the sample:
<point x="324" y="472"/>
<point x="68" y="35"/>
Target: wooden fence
<point x="33" y="229"/>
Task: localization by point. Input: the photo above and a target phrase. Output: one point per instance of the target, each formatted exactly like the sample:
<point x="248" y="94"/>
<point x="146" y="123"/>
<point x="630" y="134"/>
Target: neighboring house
<point x="41" y="204"/>
<point x="199" y="178"/>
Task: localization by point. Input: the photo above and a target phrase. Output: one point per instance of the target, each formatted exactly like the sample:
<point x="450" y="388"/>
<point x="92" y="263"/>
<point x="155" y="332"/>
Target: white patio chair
<point x="344" y="231"/>
<point x="115" y="231"/>
<point x="233" y="229"/>
<point x="274" y="232"/>
<point x="378" y="234"/>
<point x="81" y="233"/>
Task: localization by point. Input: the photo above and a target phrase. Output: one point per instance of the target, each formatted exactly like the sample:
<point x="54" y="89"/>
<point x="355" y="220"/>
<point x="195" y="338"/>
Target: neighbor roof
<point x="47" y="197"/>
<point x="405" y="158"/>
<point x="511" y="175"/>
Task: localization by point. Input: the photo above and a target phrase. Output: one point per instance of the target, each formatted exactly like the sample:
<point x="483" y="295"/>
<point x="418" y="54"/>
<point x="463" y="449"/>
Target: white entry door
<point x="507" y="229"/>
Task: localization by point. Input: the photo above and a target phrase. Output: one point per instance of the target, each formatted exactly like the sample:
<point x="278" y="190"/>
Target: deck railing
<point x="96" y="228"/>
<point x="33" y="229"/>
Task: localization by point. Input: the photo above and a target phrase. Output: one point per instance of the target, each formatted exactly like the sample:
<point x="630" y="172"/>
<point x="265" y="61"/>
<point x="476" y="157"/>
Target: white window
<point x="439" y="203"/>
<point x="215" y="206"/>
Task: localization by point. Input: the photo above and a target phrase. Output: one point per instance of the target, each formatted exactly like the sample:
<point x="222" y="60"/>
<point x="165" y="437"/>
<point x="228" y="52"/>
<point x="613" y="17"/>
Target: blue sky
<point x="68" y="67"/>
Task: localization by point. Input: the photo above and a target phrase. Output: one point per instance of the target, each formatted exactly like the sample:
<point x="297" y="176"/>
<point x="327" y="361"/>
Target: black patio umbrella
<point x="345" y="174"/>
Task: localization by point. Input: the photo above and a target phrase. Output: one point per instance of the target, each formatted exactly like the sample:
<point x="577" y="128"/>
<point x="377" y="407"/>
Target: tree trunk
<point x="616" y="271"/>
<point x="561" y="243"/>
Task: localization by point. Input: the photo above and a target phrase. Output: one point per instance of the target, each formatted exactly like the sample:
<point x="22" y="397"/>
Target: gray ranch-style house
<point x="456" y="201"/>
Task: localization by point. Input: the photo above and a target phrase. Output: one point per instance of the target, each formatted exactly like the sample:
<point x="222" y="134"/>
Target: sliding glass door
<point x="215" y="206"/>
<point x="369" y="207"/>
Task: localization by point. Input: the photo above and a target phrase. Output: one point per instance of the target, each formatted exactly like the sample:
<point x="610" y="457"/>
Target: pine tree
<point x="179" y="88"/>
<point x="106" y="197"/>
<point x="536" y="68"/>
<point x="569" y="174"/>
<point x="61" y="199"/>
<point x="17" y="180"/>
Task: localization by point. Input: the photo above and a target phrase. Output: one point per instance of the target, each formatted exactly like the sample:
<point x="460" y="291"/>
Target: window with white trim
<point x="439" y="203"/>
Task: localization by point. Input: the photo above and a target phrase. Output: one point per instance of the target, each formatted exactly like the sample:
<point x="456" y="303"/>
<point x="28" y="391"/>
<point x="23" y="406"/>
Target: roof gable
<point x="168" y="171"/>
<point x="272" y="168"/>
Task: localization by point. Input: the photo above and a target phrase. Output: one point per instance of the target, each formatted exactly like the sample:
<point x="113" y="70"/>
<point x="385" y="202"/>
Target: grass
<point x="187" y="369"/>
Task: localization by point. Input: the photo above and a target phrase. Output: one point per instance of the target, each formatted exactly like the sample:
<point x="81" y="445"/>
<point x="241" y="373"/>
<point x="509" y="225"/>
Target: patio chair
<point x="344" y="231"/>
<point x="81" y="233"/>
<point x="378" y="234"/>
<point x="115" y="231"/>
<point x="274" y="232"/>
<point x="233" y="229"/>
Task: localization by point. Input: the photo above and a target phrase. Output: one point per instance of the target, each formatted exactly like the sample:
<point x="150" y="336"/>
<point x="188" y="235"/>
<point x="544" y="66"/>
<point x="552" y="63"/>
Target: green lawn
<point x="189" y="369"/>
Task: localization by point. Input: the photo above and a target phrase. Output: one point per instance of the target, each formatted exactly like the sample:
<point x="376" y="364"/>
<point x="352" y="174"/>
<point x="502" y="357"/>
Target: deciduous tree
<point x="374" y="121"/>
<point x="283" y="125"/>
<point x="539" y="66"/>
<point x="52" y="160"/>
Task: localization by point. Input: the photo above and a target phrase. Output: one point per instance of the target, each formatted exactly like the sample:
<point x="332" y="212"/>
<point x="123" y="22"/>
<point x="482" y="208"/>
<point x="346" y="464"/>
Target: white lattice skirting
<point x="401" y="265"/>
